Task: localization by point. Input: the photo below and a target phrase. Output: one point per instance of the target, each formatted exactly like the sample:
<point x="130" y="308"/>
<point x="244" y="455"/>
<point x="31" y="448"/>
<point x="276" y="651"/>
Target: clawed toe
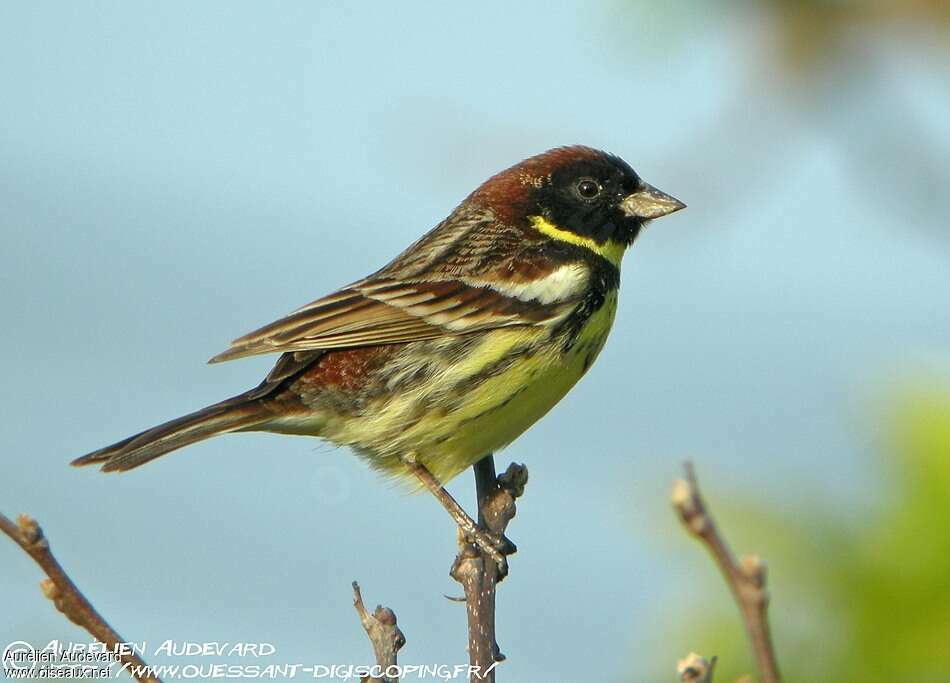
<point x="503" y="544"/>
<point x="497" y="547"/>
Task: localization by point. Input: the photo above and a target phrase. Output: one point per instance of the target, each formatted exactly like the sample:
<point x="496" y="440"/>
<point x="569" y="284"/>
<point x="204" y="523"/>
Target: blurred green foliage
<point x="848" y="75"/>
<point x="804" y="36"/>
<point x="864" y="600"/>
<point x="810" y="32"/>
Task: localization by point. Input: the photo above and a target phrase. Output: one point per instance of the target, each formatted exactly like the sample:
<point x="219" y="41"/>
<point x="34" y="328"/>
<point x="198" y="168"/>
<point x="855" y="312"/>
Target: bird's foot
<point x="493" y="545"/>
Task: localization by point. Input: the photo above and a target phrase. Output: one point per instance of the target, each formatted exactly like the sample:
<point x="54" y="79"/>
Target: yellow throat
<point x="610" y="250"/>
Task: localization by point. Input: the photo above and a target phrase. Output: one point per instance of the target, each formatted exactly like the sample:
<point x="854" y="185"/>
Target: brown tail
<point x="240" y="412"/>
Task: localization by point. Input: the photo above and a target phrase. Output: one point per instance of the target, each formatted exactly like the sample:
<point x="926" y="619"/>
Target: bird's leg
<point x="487" y="542"/>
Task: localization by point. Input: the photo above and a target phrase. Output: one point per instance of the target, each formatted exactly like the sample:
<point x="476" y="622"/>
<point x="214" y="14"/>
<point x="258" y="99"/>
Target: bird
<point x="458" y="345"/>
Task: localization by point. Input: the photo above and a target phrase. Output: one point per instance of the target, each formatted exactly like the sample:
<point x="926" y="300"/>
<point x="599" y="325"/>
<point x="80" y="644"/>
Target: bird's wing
<point x="452" y="282"/>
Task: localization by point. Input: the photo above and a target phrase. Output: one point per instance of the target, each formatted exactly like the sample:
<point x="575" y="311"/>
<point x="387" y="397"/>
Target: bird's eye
<point x="587" y="188"/>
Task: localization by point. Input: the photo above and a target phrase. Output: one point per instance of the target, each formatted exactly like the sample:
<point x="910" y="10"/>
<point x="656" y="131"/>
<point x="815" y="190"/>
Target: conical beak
<point x="649" y="202"/>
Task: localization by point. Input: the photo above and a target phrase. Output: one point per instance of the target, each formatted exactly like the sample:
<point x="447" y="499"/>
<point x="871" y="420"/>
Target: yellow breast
<point x="453" y="435"/>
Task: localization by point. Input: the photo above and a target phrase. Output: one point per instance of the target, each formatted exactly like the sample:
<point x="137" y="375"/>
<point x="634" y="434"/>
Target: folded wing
<point x="388" y="312"/>
<point x="470" y="273"/>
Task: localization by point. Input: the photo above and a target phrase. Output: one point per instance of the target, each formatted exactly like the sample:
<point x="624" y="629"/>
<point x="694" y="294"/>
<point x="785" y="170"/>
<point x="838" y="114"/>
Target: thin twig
<point x="66" y="596"/>
<point x="694" y="668"/>
<point x="383" y="633"/>
<point x="477" y="571"/>
<point x="746" y="578"/>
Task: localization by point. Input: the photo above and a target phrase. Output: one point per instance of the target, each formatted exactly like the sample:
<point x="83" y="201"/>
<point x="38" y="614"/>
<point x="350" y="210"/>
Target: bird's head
<point x="578" y="195"/>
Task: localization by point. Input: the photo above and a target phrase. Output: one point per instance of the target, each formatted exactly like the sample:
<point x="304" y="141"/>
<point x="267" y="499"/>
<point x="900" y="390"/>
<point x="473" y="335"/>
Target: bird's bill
<point x="649" y="202"/>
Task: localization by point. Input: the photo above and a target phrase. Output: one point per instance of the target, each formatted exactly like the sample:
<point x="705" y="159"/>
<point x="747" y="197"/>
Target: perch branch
<point x="477" y="570"/>
<point x="694" y="668"/>
<point x="65" y="595"/>
<point x="383" y="633"/>
<point x="745" y="577"/>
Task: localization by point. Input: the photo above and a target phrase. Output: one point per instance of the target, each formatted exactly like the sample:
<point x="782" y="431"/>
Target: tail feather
<point x="231" y="415"/>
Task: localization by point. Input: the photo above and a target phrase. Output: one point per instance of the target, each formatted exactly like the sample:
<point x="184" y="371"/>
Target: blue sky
<point x="173" y="175"/>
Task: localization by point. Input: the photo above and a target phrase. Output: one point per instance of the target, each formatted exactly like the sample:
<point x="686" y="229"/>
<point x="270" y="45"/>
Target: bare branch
<point x="694" y="668"/>
<point x="64" y="594"/>
<point x="383" y="633"/>
<point x="746" y="578"/>
<point x="477" y="570"/>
